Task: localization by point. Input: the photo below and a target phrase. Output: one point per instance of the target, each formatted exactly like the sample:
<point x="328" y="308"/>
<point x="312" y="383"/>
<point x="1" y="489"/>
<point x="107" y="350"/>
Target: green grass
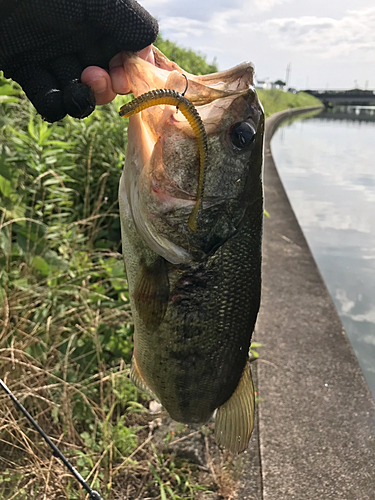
<point x="275" y="100"/>
<point x="65" y="322"/>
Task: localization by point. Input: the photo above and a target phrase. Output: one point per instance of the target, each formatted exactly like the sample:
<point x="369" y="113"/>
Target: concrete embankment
<point x="316" y="429"/>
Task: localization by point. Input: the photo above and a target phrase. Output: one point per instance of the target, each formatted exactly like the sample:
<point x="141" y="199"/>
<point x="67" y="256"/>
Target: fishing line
<point x="94" y="495"/>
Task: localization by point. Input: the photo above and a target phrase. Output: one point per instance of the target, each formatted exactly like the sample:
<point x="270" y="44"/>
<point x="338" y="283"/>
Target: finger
<point x="98" y="52"/>
<point x="78" y="98"/>
<point x="100" y="83"/>
<point x="42" y="88"/>
<point x="65" y="68"/>
<point x="121" y="82"/>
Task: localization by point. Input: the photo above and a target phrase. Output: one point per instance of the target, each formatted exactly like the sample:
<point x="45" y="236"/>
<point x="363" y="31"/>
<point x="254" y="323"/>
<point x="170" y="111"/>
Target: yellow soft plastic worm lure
<point x="173" y="98"/>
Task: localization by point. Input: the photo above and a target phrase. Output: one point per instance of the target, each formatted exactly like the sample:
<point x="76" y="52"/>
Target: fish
<point x="191" y="212"/>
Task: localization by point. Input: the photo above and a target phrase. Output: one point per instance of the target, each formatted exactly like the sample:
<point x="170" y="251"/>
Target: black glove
<point x="46" y="44"/>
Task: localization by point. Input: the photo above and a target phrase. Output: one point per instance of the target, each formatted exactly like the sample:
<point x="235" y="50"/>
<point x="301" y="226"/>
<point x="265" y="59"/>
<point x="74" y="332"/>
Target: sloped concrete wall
<point x="317" y="417"/>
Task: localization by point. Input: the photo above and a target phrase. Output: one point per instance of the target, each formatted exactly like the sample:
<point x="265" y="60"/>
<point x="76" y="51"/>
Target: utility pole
<point x="288" y="73"/>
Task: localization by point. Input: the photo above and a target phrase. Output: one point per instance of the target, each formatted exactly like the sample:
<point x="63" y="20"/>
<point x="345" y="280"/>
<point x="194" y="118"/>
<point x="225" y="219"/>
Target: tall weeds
<point x="65" y="323"/>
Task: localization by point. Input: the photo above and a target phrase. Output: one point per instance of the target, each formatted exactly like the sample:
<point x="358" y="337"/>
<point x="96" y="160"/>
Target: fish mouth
<point x="213" y="94"/>
<point x="162" y="171"/>
<point x="198" y="89"/>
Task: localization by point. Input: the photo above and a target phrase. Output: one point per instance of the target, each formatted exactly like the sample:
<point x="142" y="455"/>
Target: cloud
<point x="150" y="4"/>
<point x="324" y="35"/>
<point x="264" y="5"/>
<point x="329" y="43"/>
<point x="195" y="9"/>
<point x="346" y="304"/>
<point x="201" y="10"/>
<point x="220" y="22"/>
<point x="184" y="26"/>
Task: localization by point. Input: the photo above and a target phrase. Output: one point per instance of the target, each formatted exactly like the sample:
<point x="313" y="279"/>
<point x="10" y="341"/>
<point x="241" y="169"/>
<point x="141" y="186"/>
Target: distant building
<point x="263" y="84"/>
<point x="267" y="84"/>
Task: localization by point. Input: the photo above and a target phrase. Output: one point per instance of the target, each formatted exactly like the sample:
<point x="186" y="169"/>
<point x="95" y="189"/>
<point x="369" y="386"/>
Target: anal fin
<point x="235" y="418"/>
<point x="139" y="381"/>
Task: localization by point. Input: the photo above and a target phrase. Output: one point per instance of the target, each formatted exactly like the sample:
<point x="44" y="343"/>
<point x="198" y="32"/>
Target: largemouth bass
<point x="191" y="217"/>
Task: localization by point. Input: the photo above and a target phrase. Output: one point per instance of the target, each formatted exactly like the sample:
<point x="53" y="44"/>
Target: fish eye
<point x="242" y="135"/>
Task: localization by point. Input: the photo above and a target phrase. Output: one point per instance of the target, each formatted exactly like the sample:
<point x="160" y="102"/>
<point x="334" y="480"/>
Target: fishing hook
<point x="187" y="86"/>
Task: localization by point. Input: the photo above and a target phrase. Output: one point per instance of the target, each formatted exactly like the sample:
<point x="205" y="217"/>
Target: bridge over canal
<point x="355" y="97"/>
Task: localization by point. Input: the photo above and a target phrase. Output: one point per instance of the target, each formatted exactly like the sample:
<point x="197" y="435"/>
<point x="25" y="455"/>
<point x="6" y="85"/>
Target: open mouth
<point x="164" y="174"/>
<point x="200" y="91"/>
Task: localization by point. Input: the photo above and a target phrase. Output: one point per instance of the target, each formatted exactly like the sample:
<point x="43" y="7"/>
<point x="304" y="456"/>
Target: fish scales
<point x="208" y="319"/>
<point x="195" y="294"/>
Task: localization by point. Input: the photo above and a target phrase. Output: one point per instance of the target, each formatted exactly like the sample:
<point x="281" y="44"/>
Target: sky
<point x="328" y="43"/>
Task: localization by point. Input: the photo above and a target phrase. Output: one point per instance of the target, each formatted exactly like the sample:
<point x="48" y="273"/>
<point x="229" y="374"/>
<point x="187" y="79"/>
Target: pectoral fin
<point x="235" y="418"/>
<point x="151" y="293"/>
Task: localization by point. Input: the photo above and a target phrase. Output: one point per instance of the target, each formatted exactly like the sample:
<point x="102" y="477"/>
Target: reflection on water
<point x="327" y="165"/>
<point x="350" y="113"/>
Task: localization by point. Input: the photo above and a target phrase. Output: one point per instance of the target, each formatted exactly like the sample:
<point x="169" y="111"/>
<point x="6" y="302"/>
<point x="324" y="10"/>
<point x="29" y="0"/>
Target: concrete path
<point x="317" y="417"/>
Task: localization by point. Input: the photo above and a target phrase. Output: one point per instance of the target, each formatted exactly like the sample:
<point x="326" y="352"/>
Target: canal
<point x="327" y="166"/>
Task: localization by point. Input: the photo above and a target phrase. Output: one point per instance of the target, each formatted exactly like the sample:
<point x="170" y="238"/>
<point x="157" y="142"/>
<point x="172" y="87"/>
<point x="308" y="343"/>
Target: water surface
<point x="327" y="166"/>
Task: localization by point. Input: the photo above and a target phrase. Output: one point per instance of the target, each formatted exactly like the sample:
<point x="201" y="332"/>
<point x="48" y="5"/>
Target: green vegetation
<point x="65" y="341"/>
<point x="65" y="322"/>
<point x="275" y="100"/>
<point x="188" y="60"/>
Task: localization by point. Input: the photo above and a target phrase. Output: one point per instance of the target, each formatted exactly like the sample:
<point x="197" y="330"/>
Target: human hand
<point x="45" y="45"/>
<point x="107" y="85"/>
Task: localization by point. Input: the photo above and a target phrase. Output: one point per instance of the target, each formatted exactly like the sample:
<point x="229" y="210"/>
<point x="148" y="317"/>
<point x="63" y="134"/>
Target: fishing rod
<point x="94" y="495"/>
